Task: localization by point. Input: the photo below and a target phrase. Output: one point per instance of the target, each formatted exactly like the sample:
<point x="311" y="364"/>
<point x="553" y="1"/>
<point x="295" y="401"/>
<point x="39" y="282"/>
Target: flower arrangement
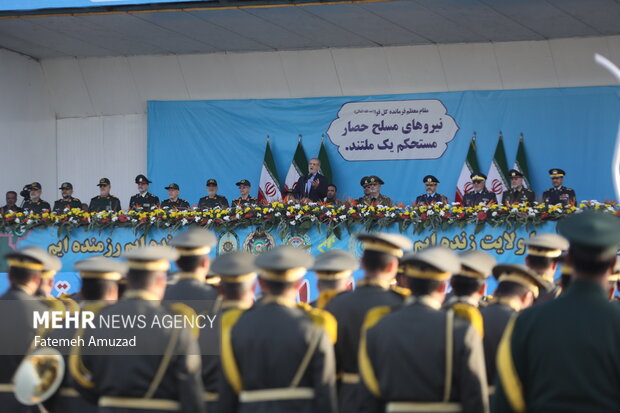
<point x="299" y="218"/>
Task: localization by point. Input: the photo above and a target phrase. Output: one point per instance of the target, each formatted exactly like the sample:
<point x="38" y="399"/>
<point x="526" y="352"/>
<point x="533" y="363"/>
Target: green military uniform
<point x="333" y="266"/>
<point x="561" y="194"/>
<point x="418" y="358"/>
<point x="36" y="207"/>
<point x="104" y="203"/>
<point x="67" y="399"/>
<point x="241" y="201"/>
<point x="519" y="194"/>
<point x="374" y="199"/>
<point x="18" y="306"/>
<point x="350" y="308"/>
<point x="161" y="372"/>
<point x="278" y="356"/>
<point x="217" y="201"/>
<point x="176" y="205"/>
<point x="208" y="202"/>
<point x="500" y="309"/>
<point x="66" y="203"/>
<point x="62" y="204"/>
<point x="564" y="355"/>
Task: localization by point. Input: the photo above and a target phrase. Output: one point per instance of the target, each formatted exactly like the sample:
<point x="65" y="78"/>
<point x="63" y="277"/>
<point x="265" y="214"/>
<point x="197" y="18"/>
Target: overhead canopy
<point x="220" y="26"/>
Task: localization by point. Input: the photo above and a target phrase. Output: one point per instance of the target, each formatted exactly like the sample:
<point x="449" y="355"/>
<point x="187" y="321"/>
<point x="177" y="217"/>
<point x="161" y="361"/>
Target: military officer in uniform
<point x="244" y="195"/>
<point x="237" y="273"/>
<point x="100" y="277"/>
<point x="143" y="200"/>
<point x="469" y="284"/>
<point x="278" y="356"/>
<point x="193" y="246"/>
<point x="558" y="193"/>
<point x="18" y="332"/>
<point x="212" y="200"/>
<point x="35" y="204"/>
<point x="191" y="288"/>
<point x="546" y="349"/>
<point x="544" y="252"/>
<point x="379" y="262"/>
<point x="418" y="358"/>
<point x="161" y="371"/>
<point x="374" y="197"/>
<point x="67" y="201"/>
<point x="517" y="192"/>
<point x="104" y="201"/>
<point x="238" y="285"/>
<point x="431" y="196"/>
<point x="517" y="288"/>
<point x="480" y="194"/>
<point x="174" y="203"/>
<point x="334" y="273"/>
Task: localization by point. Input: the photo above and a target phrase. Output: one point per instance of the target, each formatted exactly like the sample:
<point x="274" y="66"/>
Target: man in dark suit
<point x="312" y="186"/>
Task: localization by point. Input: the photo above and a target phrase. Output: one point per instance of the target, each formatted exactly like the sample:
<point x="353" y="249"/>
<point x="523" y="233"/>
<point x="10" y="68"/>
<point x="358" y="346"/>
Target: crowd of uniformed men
<point x="397" y="342"/>
<point x="312" y="187"/>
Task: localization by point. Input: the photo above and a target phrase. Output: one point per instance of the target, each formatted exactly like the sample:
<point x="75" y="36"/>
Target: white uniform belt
<point x="140" y="403"/>
<point x="412" y="407"/>
<point x="68" y="392"/>
<point x="6" y="388"/>
<point x="350" y="378"/>
<point x="268" y="395"/>
<point x="210" y="396"/>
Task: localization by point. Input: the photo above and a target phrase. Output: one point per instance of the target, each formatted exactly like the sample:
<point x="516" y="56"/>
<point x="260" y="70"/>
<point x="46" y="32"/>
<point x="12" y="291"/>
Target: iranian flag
<point x="299" y="167"/>
<point x="497" y="178"/>
<point x="520" y="163"/>
<point x="326" y="169"/>
<point x="470" y="166"/>
<point x="269" y="187"/>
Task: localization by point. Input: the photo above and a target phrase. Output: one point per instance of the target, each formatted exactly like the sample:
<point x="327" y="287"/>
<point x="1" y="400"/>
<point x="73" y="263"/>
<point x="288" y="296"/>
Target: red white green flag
<point x="470" y="166"/>
<point x="497" y="178"/>
<point x="299" y="167"/>
<point x="520" y="163"/>
<point x="269" y="187"/>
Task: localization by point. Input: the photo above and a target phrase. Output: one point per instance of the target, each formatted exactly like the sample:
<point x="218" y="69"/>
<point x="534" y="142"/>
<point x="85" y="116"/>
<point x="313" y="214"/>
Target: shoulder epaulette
<point x="403" y="292"/>
<point x="186" y="311"/>
<point x="323" y="319"/>
<point x="471" y="313"/>
<point x="229" y="364"/>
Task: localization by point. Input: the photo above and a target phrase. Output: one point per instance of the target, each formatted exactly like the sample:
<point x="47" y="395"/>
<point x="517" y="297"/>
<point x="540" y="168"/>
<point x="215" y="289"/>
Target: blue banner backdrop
<point x="10" y="5"/>
<point x="506" y="245"/>
<point x="569" y="128"/>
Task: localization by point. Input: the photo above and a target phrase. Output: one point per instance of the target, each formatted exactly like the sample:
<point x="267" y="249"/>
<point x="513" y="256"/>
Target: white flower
<point x="184" y="221"/>
<point x="114" y="218"/>
<point x="342" y="217"/>
<point x="226" y="218"/>
<point x="494" y="214"/>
